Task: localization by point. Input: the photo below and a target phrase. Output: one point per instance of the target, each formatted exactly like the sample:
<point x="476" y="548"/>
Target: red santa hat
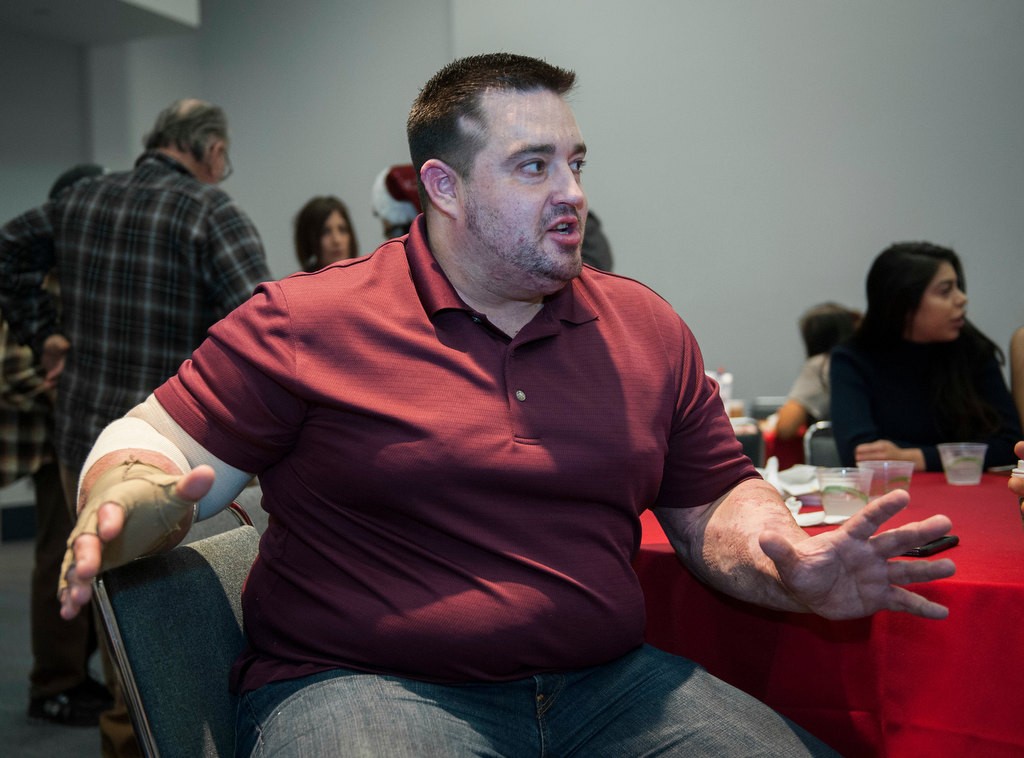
<point x="395" y="196"/>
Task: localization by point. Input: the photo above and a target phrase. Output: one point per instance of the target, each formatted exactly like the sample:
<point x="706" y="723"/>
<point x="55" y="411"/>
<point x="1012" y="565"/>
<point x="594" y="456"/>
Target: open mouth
<point x="566" y="229"/>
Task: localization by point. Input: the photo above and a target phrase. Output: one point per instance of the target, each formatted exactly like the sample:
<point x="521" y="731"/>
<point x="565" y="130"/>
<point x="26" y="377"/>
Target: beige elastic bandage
<point x="154" y="517"/>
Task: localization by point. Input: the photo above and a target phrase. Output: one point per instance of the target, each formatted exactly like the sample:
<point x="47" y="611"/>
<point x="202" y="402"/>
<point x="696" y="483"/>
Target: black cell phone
<point x="935" y="546"/>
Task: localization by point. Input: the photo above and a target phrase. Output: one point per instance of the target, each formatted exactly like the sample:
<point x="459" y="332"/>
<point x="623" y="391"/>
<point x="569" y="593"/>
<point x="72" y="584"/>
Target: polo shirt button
<point x="520" y="395"/>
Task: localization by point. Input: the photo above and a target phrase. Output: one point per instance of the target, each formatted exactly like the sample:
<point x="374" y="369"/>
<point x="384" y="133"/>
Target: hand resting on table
<point x="748" y="545"/>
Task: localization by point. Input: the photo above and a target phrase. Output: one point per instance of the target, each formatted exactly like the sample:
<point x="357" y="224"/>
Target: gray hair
<point x="190" y="126"/>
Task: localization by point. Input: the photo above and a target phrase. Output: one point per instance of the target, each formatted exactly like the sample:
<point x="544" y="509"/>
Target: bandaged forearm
<point x="227" y="483"/>
<point x="132" y="433"/>
<point x="148" y="426"/>
<point x="155" y="518"/>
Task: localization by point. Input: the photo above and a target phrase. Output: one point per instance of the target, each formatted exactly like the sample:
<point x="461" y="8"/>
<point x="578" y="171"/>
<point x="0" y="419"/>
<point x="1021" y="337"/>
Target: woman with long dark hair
<point x="324" y="233"/>
<point x="916" y="372"/>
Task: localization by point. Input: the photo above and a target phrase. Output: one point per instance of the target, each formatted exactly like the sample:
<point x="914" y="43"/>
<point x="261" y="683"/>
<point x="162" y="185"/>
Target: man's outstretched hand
<point x="102" y="521"/>
<point x="848" y="572"/>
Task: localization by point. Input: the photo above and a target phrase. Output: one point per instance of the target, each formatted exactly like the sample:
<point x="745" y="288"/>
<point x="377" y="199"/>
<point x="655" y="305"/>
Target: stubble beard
<point x="521" y="254"/>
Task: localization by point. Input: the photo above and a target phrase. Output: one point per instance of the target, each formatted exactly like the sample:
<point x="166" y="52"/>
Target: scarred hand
<point x="849" y="572"/>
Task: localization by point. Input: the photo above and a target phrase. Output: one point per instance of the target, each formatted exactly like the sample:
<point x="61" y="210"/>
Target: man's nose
<point x="569" y="191"/>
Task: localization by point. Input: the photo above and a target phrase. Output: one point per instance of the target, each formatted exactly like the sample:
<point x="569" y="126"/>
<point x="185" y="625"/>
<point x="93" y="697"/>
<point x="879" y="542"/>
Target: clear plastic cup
<point x="887" y="476"/>
<point x="963" y="462"/>
<point x="844" y="491"/>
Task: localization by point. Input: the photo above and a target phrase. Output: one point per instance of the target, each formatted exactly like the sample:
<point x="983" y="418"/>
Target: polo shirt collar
<point x="437" y="294"/>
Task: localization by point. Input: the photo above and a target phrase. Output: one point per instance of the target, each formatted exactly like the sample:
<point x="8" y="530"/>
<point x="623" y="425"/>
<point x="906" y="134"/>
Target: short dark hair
<point x="74" y="175"/>
<point x="309" y="223"/>
<point x="826" y="325"/>
<point x="188" y="125"/>
<point x="446" y="121"/>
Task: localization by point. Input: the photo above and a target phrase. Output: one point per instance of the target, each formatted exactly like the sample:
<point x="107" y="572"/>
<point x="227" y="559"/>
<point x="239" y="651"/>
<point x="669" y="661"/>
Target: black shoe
<point x="79" y="706"/>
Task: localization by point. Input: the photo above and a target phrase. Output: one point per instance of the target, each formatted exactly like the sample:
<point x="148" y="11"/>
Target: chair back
<point x="820" y="446"/>
<point x="175" y="626"/>
<point x="229" y="518"/>
<point x="751" y="437"/>
<point x="765" y="405"/>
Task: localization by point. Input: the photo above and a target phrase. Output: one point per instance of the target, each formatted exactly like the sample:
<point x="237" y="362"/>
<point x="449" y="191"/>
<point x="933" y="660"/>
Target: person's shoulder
<point x="628" y="300"/>
<point x="607" y="284"/>
<point x="845" y="350"/>
<point x="850" y="356"/>
<point x="844" y="356"/>
<point x="353" y="279"/>
<point x="113" y="182"/>
<point x="818" y="361"/>
<point x="164" y="174"/>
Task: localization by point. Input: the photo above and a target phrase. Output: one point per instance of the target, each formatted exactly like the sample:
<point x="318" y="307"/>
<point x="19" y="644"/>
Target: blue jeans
<point x="646" y="703"/>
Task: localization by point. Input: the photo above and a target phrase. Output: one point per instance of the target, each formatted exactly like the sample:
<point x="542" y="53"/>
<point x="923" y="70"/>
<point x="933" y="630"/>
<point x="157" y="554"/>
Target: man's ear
<point x="213" y="147"/>
<point x="441" y="184"/>
<point x="207" y="161"/>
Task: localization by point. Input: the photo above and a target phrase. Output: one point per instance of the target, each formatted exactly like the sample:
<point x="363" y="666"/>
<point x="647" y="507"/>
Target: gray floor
<point x="21" y="737"/>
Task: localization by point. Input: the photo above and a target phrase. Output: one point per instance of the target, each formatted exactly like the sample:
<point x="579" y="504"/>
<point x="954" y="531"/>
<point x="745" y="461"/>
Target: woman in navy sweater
<point x="917" y="372"/>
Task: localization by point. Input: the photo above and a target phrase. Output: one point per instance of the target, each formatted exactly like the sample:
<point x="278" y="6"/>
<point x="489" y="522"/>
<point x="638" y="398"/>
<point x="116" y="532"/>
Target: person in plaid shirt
<point x="60" y="688"/>
<point x="147" y="260"/>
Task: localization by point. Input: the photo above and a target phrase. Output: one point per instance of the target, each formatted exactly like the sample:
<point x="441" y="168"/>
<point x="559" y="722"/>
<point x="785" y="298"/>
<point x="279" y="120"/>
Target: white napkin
<point x="797" y="480"/>
<point x="800" y="479"/>
<point x="770" y="473"/>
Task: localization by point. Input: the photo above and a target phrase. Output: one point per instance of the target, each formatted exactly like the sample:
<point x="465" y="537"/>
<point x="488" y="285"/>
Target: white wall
<point x="42" y="129"/>
<point x="129" y="84"/>
<point x="317" y="93"/>
<point x="747" y="158"/>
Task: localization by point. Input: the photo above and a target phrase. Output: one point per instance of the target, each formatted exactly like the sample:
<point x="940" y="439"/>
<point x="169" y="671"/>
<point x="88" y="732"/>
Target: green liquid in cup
<point x="842" y="500"/>
<point x="965" y="469"/>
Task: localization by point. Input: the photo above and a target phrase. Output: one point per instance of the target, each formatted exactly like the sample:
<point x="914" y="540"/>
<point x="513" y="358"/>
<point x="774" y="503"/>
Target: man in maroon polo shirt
<point x="455" y="437"/>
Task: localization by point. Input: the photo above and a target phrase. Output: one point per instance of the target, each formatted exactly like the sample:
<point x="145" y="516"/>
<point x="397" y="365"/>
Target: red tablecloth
<point x="891" y="685"/>
<point x="789" y="452"/>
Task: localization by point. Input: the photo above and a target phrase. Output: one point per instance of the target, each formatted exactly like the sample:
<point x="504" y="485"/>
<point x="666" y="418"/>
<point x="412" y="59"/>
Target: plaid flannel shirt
<point x="25" y="412"/>
<point x="147" y="261"/>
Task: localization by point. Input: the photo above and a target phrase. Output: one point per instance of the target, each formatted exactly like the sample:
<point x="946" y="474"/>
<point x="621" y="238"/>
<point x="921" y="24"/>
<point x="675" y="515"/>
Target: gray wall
<point x="42" y="127"/>
<point x="747" y="158"/>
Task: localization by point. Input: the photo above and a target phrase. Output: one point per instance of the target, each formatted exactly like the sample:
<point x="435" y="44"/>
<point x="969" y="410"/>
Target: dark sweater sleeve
<point x="871" y="403"/>
<point x="852" y="420"/>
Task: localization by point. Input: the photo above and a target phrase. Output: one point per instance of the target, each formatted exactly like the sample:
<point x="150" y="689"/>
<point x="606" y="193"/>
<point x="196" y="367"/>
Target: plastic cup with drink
<point x="963" y="462"/>
<point x="887" y="476"/>
<point x="844" y="491"/>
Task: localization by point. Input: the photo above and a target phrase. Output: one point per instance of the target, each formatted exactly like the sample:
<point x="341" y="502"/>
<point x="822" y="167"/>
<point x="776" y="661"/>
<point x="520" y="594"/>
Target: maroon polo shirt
<point x="447" y="503"/>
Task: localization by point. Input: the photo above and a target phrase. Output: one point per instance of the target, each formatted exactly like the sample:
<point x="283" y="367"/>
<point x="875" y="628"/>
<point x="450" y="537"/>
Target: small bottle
<point x="725" y="385"/>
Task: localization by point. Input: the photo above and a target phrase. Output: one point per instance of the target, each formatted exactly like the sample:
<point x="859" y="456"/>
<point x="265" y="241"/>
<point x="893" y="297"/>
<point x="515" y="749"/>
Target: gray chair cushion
<point x="175" y="621"/>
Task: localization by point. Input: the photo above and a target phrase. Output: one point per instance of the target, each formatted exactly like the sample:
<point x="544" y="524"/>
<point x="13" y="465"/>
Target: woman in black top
<point x="916" y="372"/>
